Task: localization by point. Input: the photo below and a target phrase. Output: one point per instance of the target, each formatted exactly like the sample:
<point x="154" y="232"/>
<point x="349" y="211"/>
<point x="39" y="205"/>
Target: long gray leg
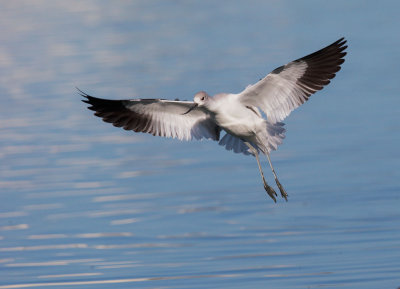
<point x="283" y="192"/>
<point x="271" y="192"/>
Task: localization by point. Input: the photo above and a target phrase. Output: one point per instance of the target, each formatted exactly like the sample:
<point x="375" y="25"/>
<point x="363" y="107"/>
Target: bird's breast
<point x="238" y="120"/>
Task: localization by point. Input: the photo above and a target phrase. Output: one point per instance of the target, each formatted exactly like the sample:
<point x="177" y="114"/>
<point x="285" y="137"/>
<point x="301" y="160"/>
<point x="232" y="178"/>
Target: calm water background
<point x="86" y="205"/>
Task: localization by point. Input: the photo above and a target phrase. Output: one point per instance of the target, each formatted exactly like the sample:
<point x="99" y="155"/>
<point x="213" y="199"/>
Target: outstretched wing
<point x="158" y="117"/>
<point x="289" y="86"/>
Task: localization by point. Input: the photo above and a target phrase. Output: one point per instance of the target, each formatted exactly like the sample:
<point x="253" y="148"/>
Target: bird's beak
<point x="190" y="109"/>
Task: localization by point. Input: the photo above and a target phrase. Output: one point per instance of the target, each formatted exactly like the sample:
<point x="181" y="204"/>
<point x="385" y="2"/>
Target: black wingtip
<point x="340" y="41"/>
<point x="81" y="93"/>
<point x="88" y="99"/>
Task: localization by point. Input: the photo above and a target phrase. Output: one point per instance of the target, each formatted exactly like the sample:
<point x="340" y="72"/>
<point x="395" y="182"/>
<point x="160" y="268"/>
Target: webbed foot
<point x="283" y="192"/>
<point x="270" y="191"/>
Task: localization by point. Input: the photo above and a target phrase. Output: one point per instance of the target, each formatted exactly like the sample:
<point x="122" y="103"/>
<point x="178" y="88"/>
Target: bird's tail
<point x="235" y="144"/>
<point x="266" y="140"/>
<point x="272" y="137"/>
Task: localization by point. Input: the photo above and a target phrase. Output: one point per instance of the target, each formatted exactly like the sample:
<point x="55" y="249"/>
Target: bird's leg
<point x="283" y="192"/>
<point x="271" y="192"/>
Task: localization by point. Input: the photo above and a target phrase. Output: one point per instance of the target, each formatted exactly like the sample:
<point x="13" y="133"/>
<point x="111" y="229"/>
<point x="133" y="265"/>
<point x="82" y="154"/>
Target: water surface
<point x="86" y="205"/>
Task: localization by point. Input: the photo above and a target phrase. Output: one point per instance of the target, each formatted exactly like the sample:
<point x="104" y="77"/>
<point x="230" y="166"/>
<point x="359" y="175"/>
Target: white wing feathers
<point x="289" y="86"/>
<point x="156" y="116"/>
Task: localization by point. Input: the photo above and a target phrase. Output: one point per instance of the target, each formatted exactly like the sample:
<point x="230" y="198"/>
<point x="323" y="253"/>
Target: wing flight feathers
<point x="158" y="117"/>
<point x="289" y="86"/>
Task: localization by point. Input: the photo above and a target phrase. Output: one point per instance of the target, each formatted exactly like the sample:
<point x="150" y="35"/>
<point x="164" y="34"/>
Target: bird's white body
<point x="236" y="119"/>
<point x="247" y="131"/>
<point x="244" y="122"/>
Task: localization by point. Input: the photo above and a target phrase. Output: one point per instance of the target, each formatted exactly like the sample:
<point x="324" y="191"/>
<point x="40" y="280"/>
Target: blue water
<point x="87" y="205"/>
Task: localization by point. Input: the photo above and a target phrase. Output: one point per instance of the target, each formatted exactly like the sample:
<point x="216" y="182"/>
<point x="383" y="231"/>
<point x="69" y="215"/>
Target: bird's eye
<point x="202" y="98"/>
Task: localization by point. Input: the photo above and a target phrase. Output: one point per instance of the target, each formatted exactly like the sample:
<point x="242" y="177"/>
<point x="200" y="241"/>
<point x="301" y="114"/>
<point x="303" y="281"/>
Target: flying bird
<point x="251" y="119"/>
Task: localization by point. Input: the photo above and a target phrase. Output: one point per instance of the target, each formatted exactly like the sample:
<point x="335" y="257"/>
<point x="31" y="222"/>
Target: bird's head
<point x="199" y="99"/>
